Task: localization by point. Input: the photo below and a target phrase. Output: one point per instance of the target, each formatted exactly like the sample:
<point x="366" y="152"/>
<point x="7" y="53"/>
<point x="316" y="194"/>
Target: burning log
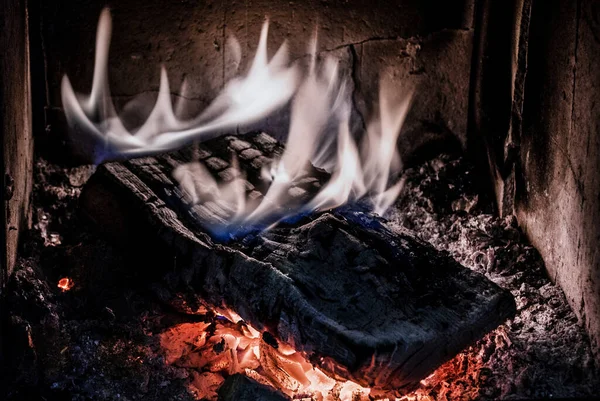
<point x="381" y="308"/>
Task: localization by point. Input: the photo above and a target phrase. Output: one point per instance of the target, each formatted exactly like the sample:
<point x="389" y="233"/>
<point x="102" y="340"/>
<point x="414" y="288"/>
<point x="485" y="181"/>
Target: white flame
<point x="359" y="170"/>
<point x="267" y="86"/>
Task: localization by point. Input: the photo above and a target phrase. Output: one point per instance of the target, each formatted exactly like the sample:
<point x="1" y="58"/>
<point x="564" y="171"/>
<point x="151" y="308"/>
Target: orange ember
<point x="226" y="345"/>
<point x="65" y="284"/>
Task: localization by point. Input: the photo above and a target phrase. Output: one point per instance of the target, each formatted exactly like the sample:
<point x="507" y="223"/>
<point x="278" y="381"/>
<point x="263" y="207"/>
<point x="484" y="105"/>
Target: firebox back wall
<point x="426" y="43"/>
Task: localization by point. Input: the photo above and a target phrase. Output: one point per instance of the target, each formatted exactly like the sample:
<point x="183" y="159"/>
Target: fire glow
<point x="65" y="284"/>
<point x="228" y="345"/>
<point x="225" y="345"/>
<point x="360" y="170"/>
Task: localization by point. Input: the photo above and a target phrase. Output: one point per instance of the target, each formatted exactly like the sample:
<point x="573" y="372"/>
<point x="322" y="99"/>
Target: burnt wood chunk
<point x="365" y="303"/>
<point x="241" y="388"/>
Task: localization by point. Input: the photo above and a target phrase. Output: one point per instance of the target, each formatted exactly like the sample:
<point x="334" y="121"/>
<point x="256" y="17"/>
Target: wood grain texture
<point x="15" y="125"/>
<point x="364" y="303"/>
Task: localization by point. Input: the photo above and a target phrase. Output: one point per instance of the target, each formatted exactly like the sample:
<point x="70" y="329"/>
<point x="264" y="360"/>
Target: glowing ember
<point x="65" y="284"/>
<point x="360" y="170"/>
<point x="226" y="345"/>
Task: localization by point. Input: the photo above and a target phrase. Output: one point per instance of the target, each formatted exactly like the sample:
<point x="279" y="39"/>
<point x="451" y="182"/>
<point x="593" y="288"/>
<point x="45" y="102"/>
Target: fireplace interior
<point x="316" y="200"/>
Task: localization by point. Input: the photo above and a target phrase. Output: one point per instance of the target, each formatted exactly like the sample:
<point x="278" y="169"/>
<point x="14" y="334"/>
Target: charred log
<point x="242" y="388"/>
<point x="381" y="308"/>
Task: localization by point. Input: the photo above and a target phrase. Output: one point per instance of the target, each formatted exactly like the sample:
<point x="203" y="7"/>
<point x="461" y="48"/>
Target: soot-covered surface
<point x="99" y="341"/>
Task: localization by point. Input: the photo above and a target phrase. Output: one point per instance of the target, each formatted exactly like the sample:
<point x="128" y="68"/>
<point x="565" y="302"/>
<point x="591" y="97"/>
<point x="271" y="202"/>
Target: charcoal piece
<point x="241" y="388"/>
<point x="381" y="308"/>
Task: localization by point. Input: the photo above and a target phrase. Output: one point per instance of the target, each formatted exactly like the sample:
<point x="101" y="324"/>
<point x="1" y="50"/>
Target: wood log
<point x="381" y="308"/>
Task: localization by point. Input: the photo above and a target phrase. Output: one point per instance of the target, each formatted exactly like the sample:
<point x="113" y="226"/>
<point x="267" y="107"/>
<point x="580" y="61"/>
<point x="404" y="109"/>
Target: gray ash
<point x="543" y="351"/>
<point x="92" y="342"/>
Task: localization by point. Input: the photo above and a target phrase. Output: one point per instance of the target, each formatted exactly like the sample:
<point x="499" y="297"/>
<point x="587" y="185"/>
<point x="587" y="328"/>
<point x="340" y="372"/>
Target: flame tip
<point x="106" y="12"/>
